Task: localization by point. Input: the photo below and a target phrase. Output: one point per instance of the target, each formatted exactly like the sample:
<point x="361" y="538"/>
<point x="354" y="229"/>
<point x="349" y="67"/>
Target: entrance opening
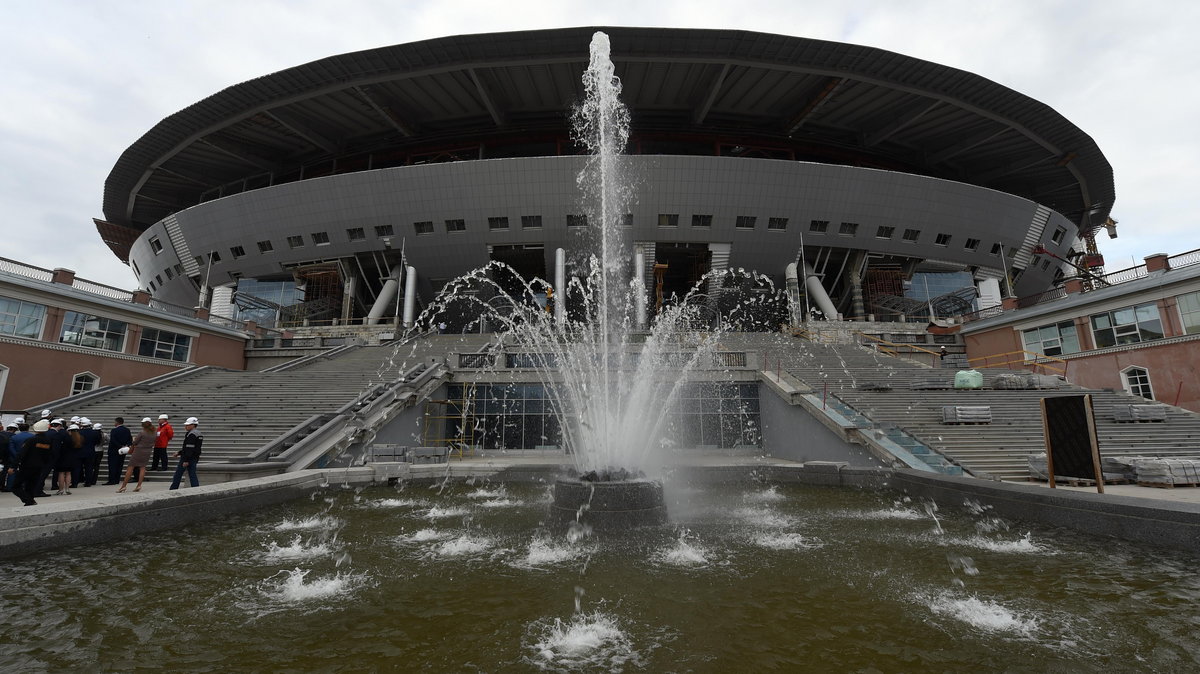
<point x="686" y="264"/>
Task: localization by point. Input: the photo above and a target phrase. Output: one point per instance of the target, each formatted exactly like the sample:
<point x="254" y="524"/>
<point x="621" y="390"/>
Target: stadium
<point x="900" y="184"/>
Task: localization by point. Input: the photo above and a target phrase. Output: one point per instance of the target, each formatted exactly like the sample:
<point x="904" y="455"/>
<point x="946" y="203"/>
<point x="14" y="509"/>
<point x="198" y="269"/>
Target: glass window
<point x="1059" y="233"/>
<point x="498" y="223"/>
<point x="21" y="319"/>
<point x="996" y="248"/>
<point x="668" y="219"/>
<point x="356" y="233"/>
<point x="818" y="226"/>
<point x="911" y="235"/>
<point x="83" y="382"/>
<point x="777" y="224"/>
<point x="972" y="244"/>
<point x="576" y="220"/>
<point x="296" y="241"/>
<point x="531" y="222"/>
<point x="383" y="230"/>
<point x="745" y="222"/>
<point x="1137" y="382"/>
<point x="155" y="245"/>
<point x="265" y="247"/>
<point x="320" y="238"/>
<point x="456" y="225"/>
<point x="627" y="220"/>
<point x="1189" y="312"/>
<point x="1052" y="340"/>
<point x="163" y="344"/>
<point x="848" y="229"/>
<point x="885" y="232"/>
<point x="237" y="251"/>
<point x="1128" y="325"/>
<point x="95" y="332"/>
<point x="424" y="227"/>
<point x="942" y="240"/>
<point x="701" y="220"/>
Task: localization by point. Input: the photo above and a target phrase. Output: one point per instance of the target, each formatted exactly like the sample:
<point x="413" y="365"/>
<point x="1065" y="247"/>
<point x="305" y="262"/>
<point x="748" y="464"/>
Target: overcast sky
<point x="83" y="80"/>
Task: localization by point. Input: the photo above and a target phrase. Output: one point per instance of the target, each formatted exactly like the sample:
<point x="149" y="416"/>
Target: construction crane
<point x="1091" y="271"/>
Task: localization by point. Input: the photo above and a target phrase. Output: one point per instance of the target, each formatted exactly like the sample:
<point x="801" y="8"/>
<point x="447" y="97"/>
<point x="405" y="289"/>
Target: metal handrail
<point x="1025" y="358"/>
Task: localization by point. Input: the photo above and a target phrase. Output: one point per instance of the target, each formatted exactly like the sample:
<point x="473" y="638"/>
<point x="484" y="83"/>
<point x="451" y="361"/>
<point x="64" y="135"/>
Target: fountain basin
<point x="608" y="504"/>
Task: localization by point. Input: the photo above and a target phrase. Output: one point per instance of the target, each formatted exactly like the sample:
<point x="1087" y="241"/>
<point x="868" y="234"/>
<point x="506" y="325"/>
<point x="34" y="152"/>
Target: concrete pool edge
<point x="1138" y="520"/>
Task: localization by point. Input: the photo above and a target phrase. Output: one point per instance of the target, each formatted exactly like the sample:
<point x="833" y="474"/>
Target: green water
<point x="746" y="579"/>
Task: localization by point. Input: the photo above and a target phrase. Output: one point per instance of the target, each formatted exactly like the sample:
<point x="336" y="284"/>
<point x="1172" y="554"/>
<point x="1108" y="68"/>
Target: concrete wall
<point x="790" y="432"/>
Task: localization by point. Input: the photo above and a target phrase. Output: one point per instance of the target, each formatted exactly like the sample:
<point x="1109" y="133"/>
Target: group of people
<point x="71" y="453"/>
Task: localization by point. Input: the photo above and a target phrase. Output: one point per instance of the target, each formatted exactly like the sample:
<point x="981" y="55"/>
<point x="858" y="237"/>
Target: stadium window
<point x="237" y="251"/>
<point x="135" y="267"/>
<point x="972" y="245"/>
<point x="163" y="344"/>
<point x="1012" y="253"/>
<point x="627" y="220"/>
<point x="296" y="241"/>
<point x="423" y="227"/>
<point x="911" y="235"/>
<point x="383" y="230"/>
<point x="178" y="269"/>
<point x="214" y="257"/>
<point x="777" y="224"/>
<point x="848" y="229"/>
<point x="1137" y="381"/>
<point x="21" y="319"/>
<point x="1046" y="264"/>
<point x="199" y="261"/>
<point x="265" y="247"/>
<point x="83" y="382"/>
<point x="576" y="220"/>
<point x="818" y="226"/>
<point x="170" y="274"/>
<point x="1189" y="312"/>
<point x="701" y="220"/>
<point x="885" y="232"/>
<point x="942" y="240"/>
<point x="155" y="245"/>
<point x="996" y="248"/>
<point x="356" y="234"/>
<point x="152" y="288"/>
<point x="668" y="219"/>
<point x="498" y="223"/>
<point x="320" y="238"/>
<point x="744" y="222"/>
<point x="158" y="277"/>
<point x="1059" y="233"/>
<point x="456" y="225"/>
<point x="531" y="222"/>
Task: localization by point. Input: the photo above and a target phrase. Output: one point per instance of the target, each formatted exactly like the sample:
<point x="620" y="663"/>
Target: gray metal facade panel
<point x="473" y="191"/>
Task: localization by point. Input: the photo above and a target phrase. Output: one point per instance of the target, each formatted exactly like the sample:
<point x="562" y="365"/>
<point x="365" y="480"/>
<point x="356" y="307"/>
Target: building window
<point x="356" y="234"/>
<point x="155" y="245"/>
<point x="701" y="220"/>
<point x="531" y="222"/>
<point x="265" y="247"/>
<point x="942" y="240"/>
<point x="818" y="226"/>
<point x="165" y="345"/>
<point x="848" y="229"/>
<point x="21" y="319"/>
<point x="1052" y="340"/>
<point x="1059" y="233"/>
<point x="498" y="223"/>
<point x="1046" y="264"/>
<point x="83" y="382"/>
<point x="213" y="257"/>
<point x="456" y="225"/>
<point x="777" y="224"/>
<point x="885" y="232"/>
<point x="1128" y="325"/>
<point x="236" y="252"/>
<point x="423" y="227"/>
<point x="295" y="241"/>
<point x="972" y="245"/>
<point x="320" y="238"/>
<point x="911" y="235"/>
<point x="1189" y="312"/>
<point x="668" y="219"/>
<point x="383" y="230"/>
<point x="576" y="220"/>
<point x="745" y="222"/>
<point x="170" y="274"/>
<point x="158" y="277"/>
<point x="996" y="248"/>
<point x="94" y="332"/>
<point x="137" y="271"/>
<point x="627" y="220"/>
<point x="1137" y="382"/>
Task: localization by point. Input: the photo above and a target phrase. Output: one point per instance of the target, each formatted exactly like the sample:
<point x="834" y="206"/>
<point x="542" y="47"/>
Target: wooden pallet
<point x="1168" y="485"/>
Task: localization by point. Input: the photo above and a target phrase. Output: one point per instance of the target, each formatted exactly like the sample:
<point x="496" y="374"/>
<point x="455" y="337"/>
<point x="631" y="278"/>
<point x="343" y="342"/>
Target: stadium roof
<point x="744" y="91"/>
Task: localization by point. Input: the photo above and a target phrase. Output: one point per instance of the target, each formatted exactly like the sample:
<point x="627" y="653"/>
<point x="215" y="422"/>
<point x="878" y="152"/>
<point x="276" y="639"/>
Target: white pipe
<point x="560" y="285"/>
<point x="410" y="297"/>
<point x="385" y="297"/>
<point x="639" y="289"/>
<point x="816" y="291"/>
<point x="792" y="284"/>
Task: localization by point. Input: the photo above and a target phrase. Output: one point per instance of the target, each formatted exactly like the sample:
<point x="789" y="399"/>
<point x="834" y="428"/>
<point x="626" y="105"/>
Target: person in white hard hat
<point x="15" y="444"/>
<point x="36" y="453"/>
<point x="139" y="454"/>
<point x="165" y="433"/>
<point x="189" y="454"/>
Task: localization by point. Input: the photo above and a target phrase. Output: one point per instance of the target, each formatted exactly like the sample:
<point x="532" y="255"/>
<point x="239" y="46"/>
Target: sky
<point x="83" y="80"/>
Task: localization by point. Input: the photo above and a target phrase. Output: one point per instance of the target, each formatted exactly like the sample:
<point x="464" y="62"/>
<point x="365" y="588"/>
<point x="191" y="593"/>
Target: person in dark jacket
<point x="118" y="437"/>
<point x="6" y="458"/>
<point x="36" y="454"/>
<point x="87" y="453"/>
<point x="58" y="443"/>
<point x="189" y="454"/>
<point x="15" y="445"/>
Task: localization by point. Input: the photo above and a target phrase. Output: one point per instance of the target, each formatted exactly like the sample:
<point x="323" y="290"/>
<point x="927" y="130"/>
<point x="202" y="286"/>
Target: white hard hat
<point x="11" y="424"/>
<point x="163" y="416"/>
<point x="58" y="421"/>
<point x="45" y="413"/>
<point x="123" y="451"/>
<point x="73" y="427"/>
<point x="19" y="420"/>
<point x="75" y="419"/>
<point x="147" y="420"/>
<point x="97" y="426"/>
<point x="84" y="421"/>
<point x="41" y="426"/>
<point x="192" y="421"/>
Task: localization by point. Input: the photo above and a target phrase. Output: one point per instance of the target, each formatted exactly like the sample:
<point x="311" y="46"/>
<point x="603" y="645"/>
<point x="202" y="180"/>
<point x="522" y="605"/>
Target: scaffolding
<point x="451" y="423"/>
